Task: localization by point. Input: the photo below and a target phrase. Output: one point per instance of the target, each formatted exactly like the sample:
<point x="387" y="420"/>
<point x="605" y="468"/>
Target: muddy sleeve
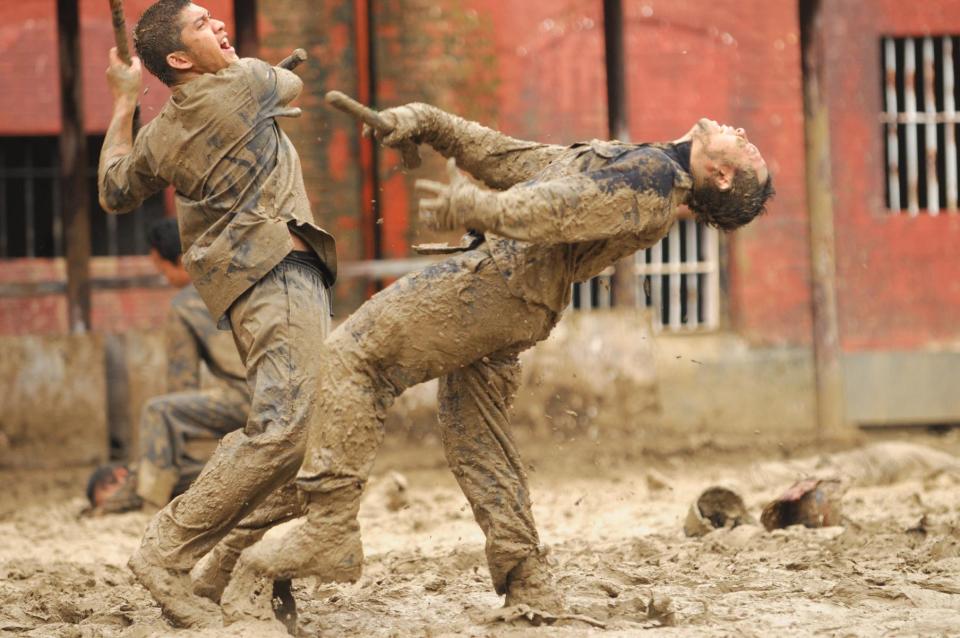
<point x="498" y="160"/>
<point x="183" y="355"/>
<point x="127" y="180"/>
<point x="272" y="86"/>
<point x="564" y="210"/>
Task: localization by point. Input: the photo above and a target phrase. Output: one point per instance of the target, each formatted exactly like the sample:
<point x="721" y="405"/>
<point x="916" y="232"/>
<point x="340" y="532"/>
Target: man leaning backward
<point x="261" y="264"/>
<point x="547" y="216"/>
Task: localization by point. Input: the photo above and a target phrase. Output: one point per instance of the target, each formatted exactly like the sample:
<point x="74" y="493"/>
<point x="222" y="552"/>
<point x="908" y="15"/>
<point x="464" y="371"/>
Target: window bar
<point x="690" y="228"/>
<point x="57" y="221"/>
<point x="674" y="269"/>
<point x="910" y="119"/>
<point x="29" y="200"/>
<point x="711" y="299"/>
<point x="893" y="146"/>
<point x="639" y="262"/>
<point x="3" y="211"/>
<point x="112" y="247"/>
<point x="930" y="129"/>
<point x="604" y="291"/>
<point x="656" y="288"/>
<point x="949" y="107"/>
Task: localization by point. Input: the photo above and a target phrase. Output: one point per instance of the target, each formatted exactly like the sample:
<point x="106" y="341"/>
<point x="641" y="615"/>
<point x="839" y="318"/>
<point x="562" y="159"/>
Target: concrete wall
<point x="605" y="376"/>
<point x="52" y="401"/>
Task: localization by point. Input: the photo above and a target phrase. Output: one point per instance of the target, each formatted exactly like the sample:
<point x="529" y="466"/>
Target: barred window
<point x="920" y="122"/>
<point x="31" y="219"/>
<point x="678" y="279"/>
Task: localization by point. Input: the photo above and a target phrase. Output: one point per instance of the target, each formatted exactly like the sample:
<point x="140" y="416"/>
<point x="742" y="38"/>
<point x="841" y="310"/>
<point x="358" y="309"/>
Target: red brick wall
<point x="535" y="70"/>
<point x="734" y="60"/>
<point x="897" y="276"/>
<point x="112" y="310"/>
<point x="30" y="95"/>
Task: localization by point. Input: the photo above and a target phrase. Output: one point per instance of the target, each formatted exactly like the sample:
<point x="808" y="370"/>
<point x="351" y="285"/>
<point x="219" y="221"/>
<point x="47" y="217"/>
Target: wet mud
<point x="614" y="529"/>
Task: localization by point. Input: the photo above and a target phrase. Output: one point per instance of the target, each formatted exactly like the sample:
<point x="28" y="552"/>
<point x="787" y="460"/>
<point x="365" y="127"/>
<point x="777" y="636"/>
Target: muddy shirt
<point x="556" y="215"/>
<point x="192" y="336"/>
<point x="594" y="204"/>
<point x="239" y="186"/>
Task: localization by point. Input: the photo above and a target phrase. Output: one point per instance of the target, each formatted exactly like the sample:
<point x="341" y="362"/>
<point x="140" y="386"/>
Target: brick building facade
<point x="535" y="69"/>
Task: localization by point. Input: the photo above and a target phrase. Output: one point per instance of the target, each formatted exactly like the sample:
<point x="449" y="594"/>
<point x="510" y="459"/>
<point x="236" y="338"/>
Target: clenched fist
<point x="125" y="81"/>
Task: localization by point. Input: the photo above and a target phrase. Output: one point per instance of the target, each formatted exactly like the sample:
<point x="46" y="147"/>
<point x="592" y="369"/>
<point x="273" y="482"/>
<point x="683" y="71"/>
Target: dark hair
<point x="157" y="35"/>
<point x="730" y="209"/>
<point x="163" y="236"/>
<point x="100" y="477"/>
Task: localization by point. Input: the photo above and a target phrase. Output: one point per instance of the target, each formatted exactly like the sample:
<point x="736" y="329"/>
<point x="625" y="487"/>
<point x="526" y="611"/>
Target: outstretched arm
<point x="124" y="175"/>
<point x="498" y="160"/>
<point x="575" y="208"/>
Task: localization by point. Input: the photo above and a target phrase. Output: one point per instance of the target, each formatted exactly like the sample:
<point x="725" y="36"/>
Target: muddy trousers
<point x="279" y="326"/>
<point x="457" y="321"/>
<point x="170" y="424"/>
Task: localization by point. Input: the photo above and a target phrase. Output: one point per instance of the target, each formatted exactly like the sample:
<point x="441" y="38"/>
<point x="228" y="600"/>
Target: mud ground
<point x="613" y="523"/>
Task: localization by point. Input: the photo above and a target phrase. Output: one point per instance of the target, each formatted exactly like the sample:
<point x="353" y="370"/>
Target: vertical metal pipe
<point x="893" y="144"/>
<point x="73" y="164"/>
<point x="910" y="117"/>
<point x="369" y="155"/>
<point x="930" y="128"/>
<point x="949" y="126"/>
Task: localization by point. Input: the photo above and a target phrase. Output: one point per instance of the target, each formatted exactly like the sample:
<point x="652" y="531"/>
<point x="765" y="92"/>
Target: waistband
<point x="311" y="261"/>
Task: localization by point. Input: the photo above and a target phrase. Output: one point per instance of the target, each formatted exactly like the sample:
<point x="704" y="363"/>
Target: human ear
<point x="179" y="61"/>
<point x="723" y="176"/>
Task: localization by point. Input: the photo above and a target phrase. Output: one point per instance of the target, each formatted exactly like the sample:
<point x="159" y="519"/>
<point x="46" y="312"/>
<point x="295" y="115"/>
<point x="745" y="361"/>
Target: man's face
<point x="718" y="148"/>
<point x="175" y="275"/>
<point x="205" y="41"/>
<point x="104" y="491"/>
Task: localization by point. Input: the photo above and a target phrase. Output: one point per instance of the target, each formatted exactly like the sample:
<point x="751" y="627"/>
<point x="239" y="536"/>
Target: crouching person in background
<point x="178" y="430"/>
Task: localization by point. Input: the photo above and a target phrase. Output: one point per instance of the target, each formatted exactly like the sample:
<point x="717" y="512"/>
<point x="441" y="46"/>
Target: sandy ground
<point x="613" y="524"/>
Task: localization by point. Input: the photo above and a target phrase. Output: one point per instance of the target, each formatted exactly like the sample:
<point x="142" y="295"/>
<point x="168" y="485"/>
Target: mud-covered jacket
<point x="239" y="185"/>
<point x="560" y="215"/>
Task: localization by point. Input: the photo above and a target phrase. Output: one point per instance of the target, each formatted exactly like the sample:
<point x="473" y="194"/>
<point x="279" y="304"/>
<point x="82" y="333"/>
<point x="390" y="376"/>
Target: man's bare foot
<point x="171" y="589"/>
<point x="531" y="583"/>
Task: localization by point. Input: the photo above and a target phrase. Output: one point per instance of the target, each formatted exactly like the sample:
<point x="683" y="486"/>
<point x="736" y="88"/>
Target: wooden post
<point x="74" y="189"/>
<point x="831" y="416"/>
<point x="624" y="277"/>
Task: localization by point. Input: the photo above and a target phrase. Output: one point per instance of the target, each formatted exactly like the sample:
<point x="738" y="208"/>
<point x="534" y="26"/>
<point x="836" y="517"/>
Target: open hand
<point x="439" y="212"/>
<point x="125" y="81"/>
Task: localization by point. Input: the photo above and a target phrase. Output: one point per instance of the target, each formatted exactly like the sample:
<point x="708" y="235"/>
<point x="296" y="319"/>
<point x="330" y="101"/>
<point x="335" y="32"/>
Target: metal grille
<point x="30" y="213"/>
<point x="920" y="123"/>
<point x="678" y="278"/>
